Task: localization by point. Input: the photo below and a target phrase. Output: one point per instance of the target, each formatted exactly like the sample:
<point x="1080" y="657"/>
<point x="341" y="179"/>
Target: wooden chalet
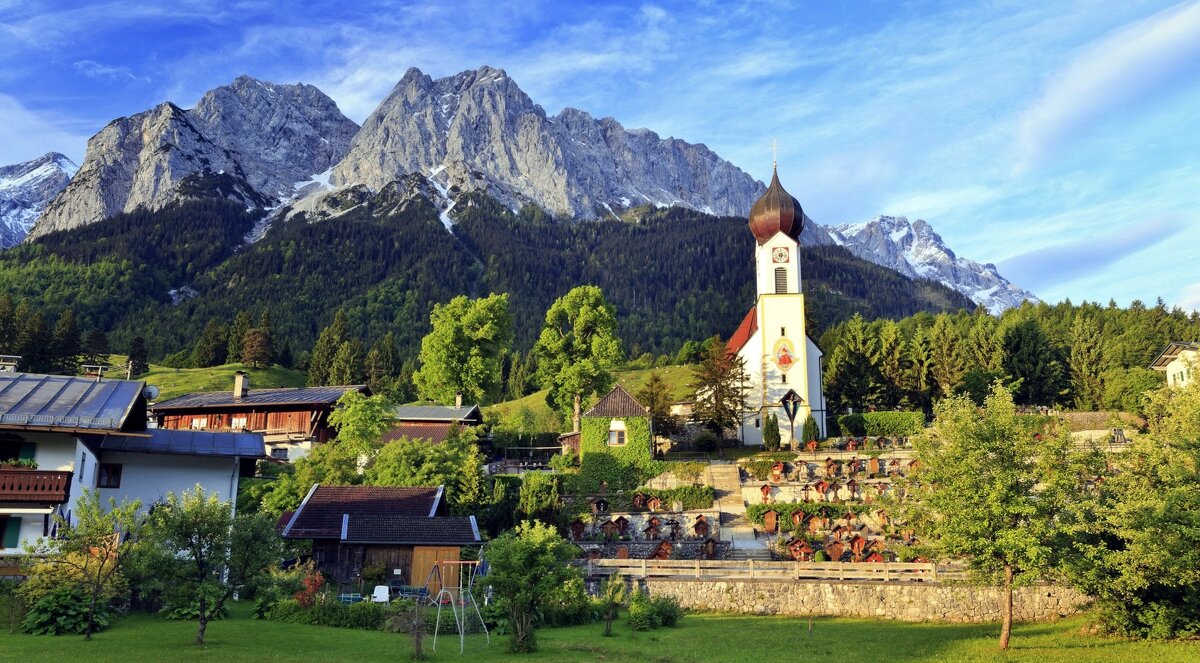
<point x="432" y="423"/>
<point x="290" y="420"/>
<point x="406" y="530"/>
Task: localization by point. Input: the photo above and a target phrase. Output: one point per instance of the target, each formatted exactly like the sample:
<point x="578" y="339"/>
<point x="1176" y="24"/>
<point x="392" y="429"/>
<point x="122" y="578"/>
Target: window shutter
<point x="12" y="532"/>
<point x="28" y="451"/>
<point x="780" y="281"/>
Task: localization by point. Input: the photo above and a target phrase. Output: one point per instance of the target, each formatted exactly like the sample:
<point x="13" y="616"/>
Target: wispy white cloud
<point x="104" y="72"/>
<point x="1122" y="67"/>
<point x="1059" y="264"/>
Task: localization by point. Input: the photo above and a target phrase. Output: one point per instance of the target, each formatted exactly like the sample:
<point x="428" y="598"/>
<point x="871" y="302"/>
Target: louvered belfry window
<point x="780" y="281"/>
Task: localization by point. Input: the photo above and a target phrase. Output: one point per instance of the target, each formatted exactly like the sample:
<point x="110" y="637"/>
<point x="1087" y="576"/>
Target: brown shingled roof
<point x="617" y="403"/>
<point x="321" y="513"/>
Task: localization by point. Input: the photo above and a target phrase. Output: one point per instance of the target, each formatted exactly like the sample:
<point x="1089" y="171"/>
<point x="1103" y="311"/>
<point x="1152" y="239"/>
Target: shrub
<point x="759" y="468"/>
<point x="692" y="497"/>
<point x="885" y="424"/>
<point x="668" y="610"/>
<point x="689" y="472"/>
<point x="562" y="463"/>
<point x="706" y="441"/>
<point x="63" y="611"/>
<point x="642" y="615"/>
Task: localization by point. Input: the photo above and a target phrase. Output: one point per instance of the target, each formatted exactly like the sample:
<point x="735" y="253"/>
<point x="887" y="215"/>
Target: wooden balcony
<point x="42" y="487"/>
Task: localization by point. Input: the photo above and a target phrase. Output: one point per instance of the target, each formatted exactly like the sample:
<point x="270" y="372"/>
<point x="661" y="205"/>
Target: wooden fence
<point x="750" y="569"/>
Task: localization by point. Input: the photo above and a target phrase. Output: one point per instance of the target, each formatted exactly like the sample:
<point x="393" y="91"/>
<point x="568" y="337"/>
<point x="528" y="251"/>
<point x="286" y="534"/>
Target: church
<point x="782" y="362"/>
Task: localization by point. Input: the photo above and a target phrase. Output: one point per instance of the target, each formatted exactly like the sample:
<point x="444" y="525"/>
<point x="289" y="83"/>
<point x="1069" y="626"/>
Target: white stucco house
<point x="1179" y="361"/>
<point x="61" y="434"/>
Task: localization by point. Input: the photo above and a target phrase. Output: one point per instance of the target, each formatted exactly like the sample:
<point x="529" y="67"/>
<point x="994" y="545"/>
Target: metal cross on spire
<point x="774" y="153"/>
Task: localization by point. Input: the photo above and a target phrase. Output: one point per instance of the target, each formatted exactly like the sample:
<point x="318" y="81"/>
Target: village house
<point x="1179" y="362"/>
<point x="404" y="531"/>
<point x="290" y="420"/>
<point x="433" y="423"/>
<point x="618" y="425"/>
<point x="61" y="434"/>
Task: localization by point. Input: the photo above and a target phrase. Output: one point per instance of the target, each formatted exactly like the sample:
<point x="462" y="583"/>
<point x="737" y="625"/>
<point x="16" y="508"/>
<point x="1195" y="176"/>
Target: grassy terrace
<point x="698" y="638"/>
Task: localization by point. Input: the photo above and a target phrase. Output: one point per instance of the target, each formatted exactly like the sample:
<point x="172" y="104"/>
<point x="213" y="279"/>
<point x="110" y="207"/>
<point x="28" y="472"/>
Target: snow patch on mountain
<point x="916" y="250"/>
<point x="25" y="189"/>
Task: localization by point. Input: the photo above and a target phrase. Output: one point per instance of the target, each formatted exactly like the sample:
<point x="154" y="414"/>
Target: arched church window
<point x="780" y="281"/>
<point x="616" y="433"/>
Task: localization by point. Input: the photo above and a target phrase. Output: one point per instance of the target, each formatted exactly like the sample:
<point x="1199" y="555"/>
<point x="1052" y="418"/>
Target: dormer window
<point x="616" y="433"/>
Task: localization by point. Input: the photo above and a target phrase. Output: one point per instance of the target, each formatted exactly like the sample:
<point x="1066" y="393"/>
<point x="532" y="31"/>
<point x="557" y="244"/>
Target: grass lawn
<point x="174" y="382"/>
<point x="698" y="638"/>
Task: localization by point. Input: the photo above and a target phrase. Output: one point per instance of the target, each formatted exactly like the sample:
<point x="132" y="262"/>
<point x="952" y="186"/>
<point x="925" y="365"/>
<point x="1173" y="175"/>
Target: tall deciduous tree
<point x="577" y="349"/>
<point x="988" y="492"/>
<point x="361" y="420"/>
<point x="719" y="388"/>
<point x="203" y="554"/>
<point x="464" y="352"/>
<point x="1141" y="535"/>
<point x="528" y="566"/>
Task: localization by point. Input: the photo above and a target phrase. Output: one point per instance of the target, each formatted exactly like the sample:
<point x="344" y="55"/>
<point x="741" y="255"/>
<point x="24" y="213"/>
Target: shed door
<point x="423" y="560"/>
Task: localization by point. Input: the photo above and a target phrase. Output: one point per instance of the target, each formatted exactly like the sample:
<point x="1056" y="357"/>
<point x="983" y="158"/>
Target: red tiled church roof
<point x="744" y="331"/>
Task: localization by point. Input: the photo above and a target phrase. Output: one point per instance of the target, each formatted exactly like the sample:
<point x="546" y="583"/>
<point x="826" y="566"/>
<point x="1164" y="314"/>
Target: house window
<point x="110" y="475"/>
<point x="199" y="423"/>
<point x="616" y="433"/>
<point x="757" y="421"/>
<point x="780" y="281"/>
<point x="238" y="423"/>
<point x="279" y="453"/>
<point x="82" y="465"/>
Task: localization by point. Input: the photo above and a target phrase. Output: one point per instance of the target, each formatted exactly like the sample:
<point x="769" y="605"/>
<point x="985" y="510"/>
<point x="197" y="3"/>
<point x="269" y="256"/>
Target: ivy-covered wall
<point x="622" y="467"/>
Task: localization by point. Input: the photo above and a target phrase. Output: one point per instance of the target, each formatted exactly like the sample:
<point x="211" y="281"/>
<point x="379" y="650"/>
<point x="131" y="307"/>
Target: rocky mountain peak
<point x="916" y="250"/>
<point x="479" y="130"/>
<point x="25" y="188"/>
<point x="262" y="137"/>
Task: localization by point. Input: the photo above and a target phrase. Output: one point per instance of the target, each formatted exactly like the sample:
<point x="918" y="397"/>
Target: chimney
<point x="457" y="400"/>
<point x="241" y="384"/>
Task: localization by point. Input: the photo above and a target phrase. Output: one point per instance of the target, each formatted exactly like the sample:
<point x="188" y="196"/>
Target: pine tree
<point x="1086" y="363"/>
<point x="65" y="347"/>
<point x="920" y="362"/>
<point x="256" y="347"/>
<point x="656" y="396"/>
<point x="891" y="364"/>
<point x="138" y="356"/>
<point x="33" y="340"/>
<point x="264" y="325"/>
<point x="95" y="348"/>
<point x="210" y="347"/>
<point x="985" y="345"/>
<point x="771" y="436"/>
<point x="9" y="325"/>
<point x="719" y="388"/>
<point x="327" y="346"/>
<point x="285" y="358"/>
<point x="852" y="378"/>
<point x="381" y="365"/>
<point x="1031" y="360"/>
<point x="237" y="337"/>
<point x="347" y="365"/>
<point x="946" y="352"/>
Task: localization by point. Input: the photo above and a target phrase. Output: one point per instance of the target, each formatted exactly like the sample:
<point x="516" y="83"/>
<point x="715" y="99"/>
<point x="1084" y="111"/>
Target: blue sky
<point x="1059" y="140"/>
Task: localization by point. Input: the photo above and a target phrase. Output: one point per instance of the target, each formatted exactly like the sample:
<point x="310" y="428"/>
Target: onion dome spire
<point x="776" y="211"/>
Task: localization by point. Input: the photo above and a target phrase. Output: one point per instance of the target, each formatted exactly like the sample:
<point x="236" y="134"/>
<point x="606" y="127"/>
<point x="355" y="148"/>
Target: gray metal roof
<point x="29" y="400"/>
<point x="285" y="396"/>
<point x="188" y="443"/>
<point x="437" y="413"/>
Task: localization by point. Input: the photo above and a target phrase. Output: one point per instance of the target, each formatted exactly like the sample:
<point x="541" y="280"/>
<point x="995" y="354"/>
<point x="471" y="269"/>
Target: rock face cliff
<point x="249" y="140"/>
<point x="915" y="250"/>
<point x="479" y="130"/>
<point x="25" y="188"/>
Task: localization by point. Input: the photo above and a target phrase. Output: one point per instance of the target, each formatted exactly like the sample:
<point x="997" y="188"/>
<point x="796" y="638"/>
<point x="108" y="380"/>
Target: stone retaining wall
<point x="910" y="602"/>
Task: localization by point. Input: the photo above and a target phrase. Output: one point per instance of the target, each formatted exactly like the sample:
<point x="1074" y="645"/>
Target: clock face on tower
<point x="779" y="254"/>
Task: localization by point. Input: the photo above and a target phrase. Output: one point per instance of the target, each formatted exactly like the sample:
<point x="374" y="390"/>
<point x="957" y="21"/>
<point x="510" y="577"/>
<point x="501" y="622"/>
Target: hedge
<point x="692" y="497"/>
<point x="755" y="512"/>
<point x="886" y="424"/>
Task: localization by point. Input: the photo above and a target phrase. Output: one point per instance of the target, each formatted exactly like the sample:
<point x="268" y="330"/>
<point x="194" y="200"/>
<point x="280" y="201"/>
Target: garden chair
<point x="381" y="594"/>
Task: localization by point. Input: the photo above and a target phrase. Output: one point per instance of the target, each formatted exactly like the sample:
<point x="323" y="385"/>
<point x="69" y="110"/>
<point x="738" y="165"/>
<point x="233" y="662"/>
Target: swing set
<point x="457" y="582"/>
